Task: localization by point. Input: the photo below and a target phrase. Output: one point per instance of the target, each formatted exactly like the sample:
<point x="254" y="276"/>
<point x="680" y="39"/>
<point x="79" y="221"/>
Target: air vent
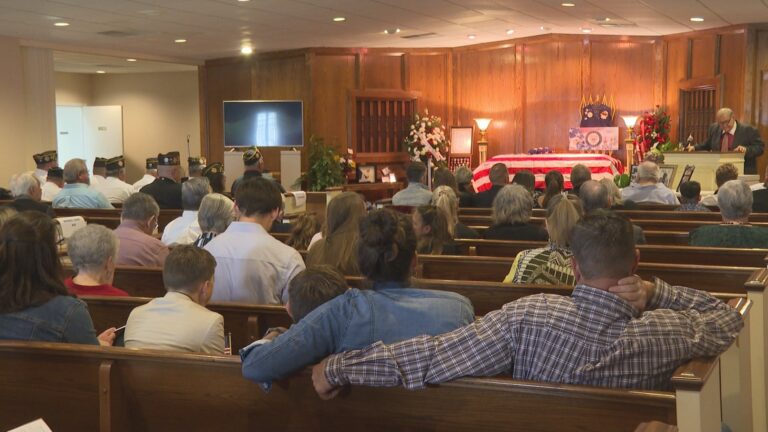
<point x="617" y="25"/>
<point x="420" y="35"/>
<point x="116" y="33"/>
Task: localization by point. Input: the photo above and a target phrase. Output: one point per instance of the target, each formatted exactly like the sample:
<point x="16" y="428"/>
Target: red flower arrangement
<point x="652" y="132"/>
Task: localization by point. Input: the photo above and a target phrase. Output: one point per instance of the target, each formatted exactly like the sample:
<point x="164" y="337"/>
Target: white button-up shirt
<point x="183" y="230"/>
<point x="114" y="189"/>
<point x="50" y="190"/>
<point x="41" y="175"/>
<point x="96" y="179"/>
<point x="147" y="179"/>
<point x="252" y="266"/>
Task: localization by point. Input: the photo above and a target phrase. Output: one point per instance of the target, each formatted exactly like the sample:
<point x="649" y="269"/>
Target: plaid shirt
<point x="590" y="338"/>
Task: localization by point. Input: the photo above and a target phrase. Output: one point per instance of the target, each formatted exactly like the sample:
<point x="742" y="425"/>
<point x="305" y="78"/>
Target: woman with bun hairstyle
<point x="391" y="311"/>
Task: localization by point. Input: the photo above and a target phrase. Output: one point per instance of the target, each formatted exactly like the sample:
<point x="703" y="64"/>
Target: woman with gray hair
<point x="215" y="214"/>
<point x="512" y="209"/>
<point x="93" y="251"/>
<point x="735" y="201"/>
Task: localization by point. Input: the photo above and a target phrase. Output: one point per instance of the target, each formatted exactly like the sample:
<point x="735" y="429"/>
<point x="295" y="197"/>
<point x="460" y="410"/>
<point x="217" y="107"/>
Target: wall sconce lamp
<point x="482" y="143"/>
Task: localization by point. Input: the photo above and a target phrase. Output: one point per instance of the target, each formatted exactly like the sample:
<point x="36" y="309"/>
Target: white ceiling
<point x="217" y="28"/>
<point x="90" y="64"/>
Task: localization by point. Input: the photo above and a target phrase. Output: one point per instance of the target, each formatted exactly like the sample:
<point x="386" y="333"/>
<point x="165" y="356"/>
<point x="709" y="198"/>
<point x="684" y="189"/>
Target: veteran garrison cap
<point x="45" y="157"/>
<point x="169" y="159"/>
<point x="214" y="168"/>
<point x="152" y="163"/>
<point x="251" y="156"/>
<point x="100" y="162"/>
<point x="56" y="173"/>
<point x="196" y="161"/>
<point x="115" y="163"/>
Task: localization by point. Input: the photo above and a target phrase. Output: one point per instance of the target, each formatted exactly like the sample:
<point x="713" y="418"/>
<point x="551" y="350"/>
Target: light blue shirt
<point x="415" y="194"/>
<point x="355" y="320"/>
<point x="652" y="193"/>
<point x="79" y="195"/>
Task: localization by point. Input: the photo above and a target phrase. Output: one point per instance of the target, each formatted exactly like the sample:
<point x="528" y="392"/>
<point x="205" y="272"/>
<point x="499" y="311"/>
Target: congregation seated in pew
<point x="465" y="191"/>
<point x="511" y="214"/>
<point x="432" y="233"/>
<point x="417" y="193"/>
<point x="27" y="194"/>
<point x="498" y="175"/>
<point x="735" y="201"/>
<point x="114" y="187"/>
<point x="648" y="188"/>
<point x="391" y="311"/>
<point x="179" y="321"/>
<point x="215" y="214"/>
<point x="550" y="264"/>
<point x="34" y="303"/>
<point x="615" y="330"/>
<point x="554" y="185"/>
<point x="580" y="174"/>
<point x="336" y="245"/>
<point x="76" y="193"/>
<point x="138" y="220"/>
<point x="690" y="197"/>
<point x="185" y="229"/>
<point x="444" y="198"/>
<point x="723" y="174"/>
<point x="595" y="198"/>
<point x="303" y="229"/>
<point x="54" y="181"/>
<point x="93" y="251"/>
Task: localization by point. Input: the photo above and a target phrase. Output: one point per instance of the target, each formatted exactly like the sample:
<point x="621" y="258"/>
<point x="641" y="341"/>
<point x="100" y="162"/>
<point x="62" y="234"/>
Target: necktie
<point x="725" y="143"/>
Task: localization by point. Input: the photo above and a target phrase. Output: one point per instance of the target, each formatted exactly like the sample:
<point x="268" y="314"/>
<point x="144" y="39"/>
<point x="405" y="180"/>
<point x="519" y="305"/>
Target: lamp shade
<point x="630" y="120"/>
<point x="482" y="123"/>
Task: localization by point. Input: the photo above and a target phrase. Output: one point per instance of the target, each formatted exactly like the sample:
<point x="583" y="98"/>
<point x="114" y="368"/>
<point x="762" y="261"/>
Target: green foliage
<point x="621" y="180"/>
<point x="324" y="168"/>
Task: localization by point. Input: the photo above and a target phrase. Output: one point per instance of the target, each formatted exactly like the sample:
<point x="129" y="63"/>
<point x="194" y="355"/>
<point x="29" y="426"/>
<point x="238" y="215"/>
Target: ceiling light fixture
<point x="471" y="36"/>
<point x="246" y="50"/>
<point x="180" y="40"/>
<point x="510" y="31"/>
<point x="586" y="30"/>
<point x="543" y="28"/>
<point x="339" y="19"/>
<point x="697" y="19"/>
<point x="61" y="24"/>
<point x="606" y="19"/>
<point x="568" y="4"/>
<point x="392" y="31"/>
<point x="100" y="72"/>
<point x="130" y="60"/>
<point x="243" y="1"/>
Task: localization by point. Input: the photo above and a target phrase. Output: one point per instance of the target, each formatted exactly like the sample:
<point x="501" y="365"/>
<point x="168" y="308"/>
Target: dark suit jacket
<point x="760" y="201"/>
<point x="165" y="191"/>
<point x="485" y="198"/>
<point x="24" y="203"/>
<point x="745" y="136"/>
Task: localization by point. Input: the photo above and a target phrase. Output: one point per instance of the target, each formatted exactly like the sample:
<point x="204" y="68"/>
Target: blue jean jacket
<point x="61" y="319"/>
<point x="355" y="320"/>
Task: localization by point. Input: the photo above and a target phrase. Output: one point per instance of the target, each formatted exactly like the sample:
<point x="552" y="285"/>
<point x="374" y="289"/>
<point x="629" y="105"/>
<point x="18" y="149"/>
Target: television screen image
<point x="263" y="123"/>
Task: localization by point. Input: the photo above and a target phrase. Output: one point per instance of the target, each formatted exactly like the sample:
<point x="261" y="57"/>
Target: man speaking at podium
<point x="726" y="134"/>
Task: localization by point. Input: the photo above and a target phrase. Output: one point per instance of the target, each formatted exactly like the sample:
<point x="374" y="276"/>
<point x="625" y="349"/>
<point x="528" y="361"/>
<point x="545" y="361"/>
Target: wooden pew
<point x="114" y="389"/>
<point x="111" y="217"/>
<point x="652" y="237"/>
<point x="640" y="213"/>
<point x="648" y="253"/>
<point x="246" y="322"/>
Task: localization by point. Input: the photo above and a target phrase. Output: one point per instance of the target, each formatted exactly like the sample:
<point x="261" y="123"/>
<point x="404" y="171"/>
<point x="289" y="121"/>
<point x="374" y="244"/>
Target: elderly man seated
<point x="735" y="201"/>
<point x="185" y="229"/>
<point x="76" y="193"/>
<point x="138" y="222"/>
<point x="614" y="330"/>
<point x="27" y="194"/>
<point x="93" y="251"/>
<point x="648" y="189"/>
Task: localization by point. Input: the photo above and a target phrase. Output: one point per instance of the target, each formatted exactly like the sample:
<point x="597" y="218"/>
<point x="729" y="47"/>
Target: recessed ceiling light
<point x="697" y="19"/>
<point x="130" y="60"/>
<point x="100" y="72"/>
<point x="606" y="19"/>
<point x="568" y="4"/>
<point x="246" y="50"/>
<point x="543" y="28"/>
<point x="392" y="31"/>
<point x="180" y="40"/>
<point x="243" y="1"/>
<point x="61" y="24"/>
<point x="339" y="19"/>
<point x="510" y="31"/>
<point x="471" y="36"/>
<point x="586" y="30"/>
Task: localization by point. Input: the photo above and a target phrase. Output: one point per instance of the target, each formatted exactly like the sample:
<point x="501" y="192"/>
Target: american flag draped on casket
<point x="602" y="166"/>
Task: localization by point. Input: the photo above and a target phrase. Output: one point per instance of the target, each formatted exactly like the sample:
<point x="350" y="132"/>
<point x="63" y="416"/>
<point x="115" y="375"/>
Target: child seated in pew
<point x="93" y="252"/>
<point x="179" y="321"/>
<point x="390" y="311"/>
<point x="614" y="330"/>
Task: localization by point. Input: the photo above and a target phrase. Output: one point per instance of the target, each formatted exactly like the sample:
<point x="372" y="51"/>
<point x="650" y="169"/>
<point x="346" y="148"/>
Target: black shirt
<point x="25" y="203"/>
<point x="165" y="191"/>
<point x="485" y="199"/>
<point x="518" y="231"/>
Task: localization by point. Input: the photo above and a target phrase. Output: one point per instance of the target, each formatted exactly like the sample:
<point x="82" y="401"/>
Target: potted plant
<point x="324" y="168"/>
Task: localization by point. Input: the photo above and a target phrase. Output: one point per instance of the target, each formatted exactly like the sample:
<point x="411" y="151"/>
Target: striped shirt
<point x="590" y="338"/>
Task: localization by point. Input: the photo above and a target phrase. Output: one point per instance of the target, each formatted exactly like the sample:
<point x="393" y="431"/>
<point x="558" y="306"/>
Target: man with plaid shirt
<point x="615" y="330"/>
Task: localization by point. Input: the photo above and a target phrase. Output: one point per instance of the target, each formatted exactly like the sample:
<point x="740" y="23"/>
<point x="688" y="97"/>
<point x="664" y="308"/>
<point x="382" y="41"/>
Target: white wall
<point x="73" y="89"/>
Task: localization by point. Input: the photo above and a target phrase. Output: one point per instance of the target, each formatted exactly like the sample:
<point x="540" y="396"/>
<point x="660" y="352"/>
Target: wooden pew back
<point x="111" y="217"/>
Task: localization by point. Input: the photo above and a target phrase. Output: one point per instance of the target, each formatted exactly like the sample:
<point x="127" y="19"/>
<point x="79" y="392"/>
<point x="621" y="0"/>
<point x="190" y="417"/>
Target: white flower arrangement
<point x="426" y="140"/>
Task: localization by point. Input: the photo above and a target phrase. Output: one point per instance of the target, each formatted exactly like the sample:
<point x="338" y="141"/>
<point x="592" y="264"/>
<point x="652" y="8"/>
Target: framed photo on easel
<point x="687" y="174"/>
<point x="461" y="147"/>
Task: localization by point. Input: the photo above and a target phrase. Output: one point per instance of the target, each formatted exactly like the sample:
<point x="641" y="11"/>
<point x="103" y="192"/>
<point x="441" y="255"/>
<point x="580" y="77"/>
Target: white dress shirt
<point x="147" y="179"/>
<point x="175" y="323"/>
<point x="50" y="190"/>
<point x="183" y="230"/>
<point x="252" y="266"/>
<point x="96" y="179"/>
<point x="42" y="176"/>
<point x="116" y="190"/>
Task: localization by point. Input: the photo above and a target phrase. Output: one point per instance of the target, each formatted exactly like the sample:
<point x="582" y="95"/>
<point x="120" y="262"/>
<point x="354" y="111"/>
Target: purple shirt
<point x="138" y="248"/>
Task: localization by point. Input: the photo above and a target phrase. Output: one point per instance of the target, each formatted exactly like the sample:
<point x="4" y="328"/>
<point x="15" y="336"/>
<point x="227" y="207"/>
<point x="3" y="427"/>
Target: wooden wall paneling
<point x="675" y="71"/>
<point x="428" y="75"/>
<point x="659" y="74"/>
<point x="485" y="82"/>
<point x="519" y="101"/>
<point x="703" y="56"/>
<point x="227" y="81"/>
<point x="382" y="70"/>
<point x="553" y="92"/>
<point x="332" y="77"/>
<point x="760" y="88"/>
<point x="202" y="91"/>
<point x="732" y="67"/>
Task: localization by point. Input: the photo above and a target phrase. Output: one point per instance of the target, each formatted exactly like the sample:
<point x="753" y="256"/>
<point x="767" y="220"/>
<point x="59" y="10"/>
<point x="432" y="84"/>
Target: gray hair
<point x="91" y="246"/>
<point x="215" y="213"/>
<point x="594" y="195"/>
<point x="463" y="175"/>
<point x="648" y="171"/>
<point x="513" y="204"/>
<point x="613" y="191"/>
<point x="140" y="207"/>
<point x="735" y="200"/>
<point x="72" y="170"/>
<point x="580" y="174"/>
<point x="723" y="112"/>
<point x="22" y="183"/>
<point x="193" y="191"/>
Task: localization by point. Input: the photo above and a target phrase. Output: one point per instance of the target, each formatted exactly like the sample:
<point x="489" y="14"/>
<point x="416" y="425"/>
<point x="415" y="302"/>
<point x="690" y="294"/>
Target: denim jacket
<point x="355" y="320"/>
<point x="61" y="319"/>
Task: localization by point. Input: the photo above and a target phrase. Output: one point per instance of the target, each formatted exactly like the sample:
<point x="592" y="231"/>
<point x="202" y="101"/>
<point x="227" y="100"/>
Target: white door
<point x="102" y="132"/>
<point x="69" y="133"/>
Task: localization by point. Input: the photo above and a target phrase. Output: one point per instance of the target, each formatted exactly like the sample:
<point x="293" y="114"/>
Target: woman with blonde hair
<point x="432" y="234"/>
<point x="550" y="264"/>
<point x="444" y="198"/>
<point x="340" y="235"/>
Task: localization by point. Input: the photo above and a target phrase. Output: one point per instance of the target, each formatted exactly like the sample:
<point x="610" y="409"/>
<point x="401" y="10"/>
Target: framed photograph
<point x="687" y="174"/>
<point x="667" y="175"/>
<point x="367" y="174"/>
<point x="461" y="140"/>
<point x="633" y="174"/>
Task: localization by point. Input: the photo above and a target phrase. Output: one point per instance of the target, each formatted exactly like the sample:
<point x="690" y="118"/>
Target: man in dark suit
<point x="166" y="189"/>
<point x="726" y="134"/>
<point x="499" y="177"/>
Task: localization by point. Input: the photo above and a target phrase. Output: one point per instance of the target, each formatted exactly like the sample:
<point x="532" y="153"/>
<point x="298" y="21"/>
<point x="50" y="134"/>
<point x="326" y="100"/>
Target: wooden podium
<point x="706" y="164"/>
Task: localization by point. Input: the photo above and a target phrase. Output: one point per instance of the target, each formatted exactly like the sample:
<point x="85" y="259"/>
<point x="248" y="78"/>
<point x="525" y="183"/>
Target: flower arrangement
<point x="652" y="133"/>
<point x="426" y="140"/>
<point x="347" y="164"/>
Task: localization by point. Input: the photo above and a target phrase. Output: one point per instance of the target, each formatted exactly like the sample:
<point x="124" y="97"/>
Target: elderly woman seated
<point x="735" y="201"/>
<point x="215" y="214"/>
<point x="512" y="209"/>
<point x="550" y="264"/>
<point x="93" y="251"/>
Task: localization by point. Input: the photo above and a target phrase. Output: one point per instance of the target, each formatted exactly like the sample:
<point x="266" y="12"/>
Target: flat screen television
<point x="263" y="123"/>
